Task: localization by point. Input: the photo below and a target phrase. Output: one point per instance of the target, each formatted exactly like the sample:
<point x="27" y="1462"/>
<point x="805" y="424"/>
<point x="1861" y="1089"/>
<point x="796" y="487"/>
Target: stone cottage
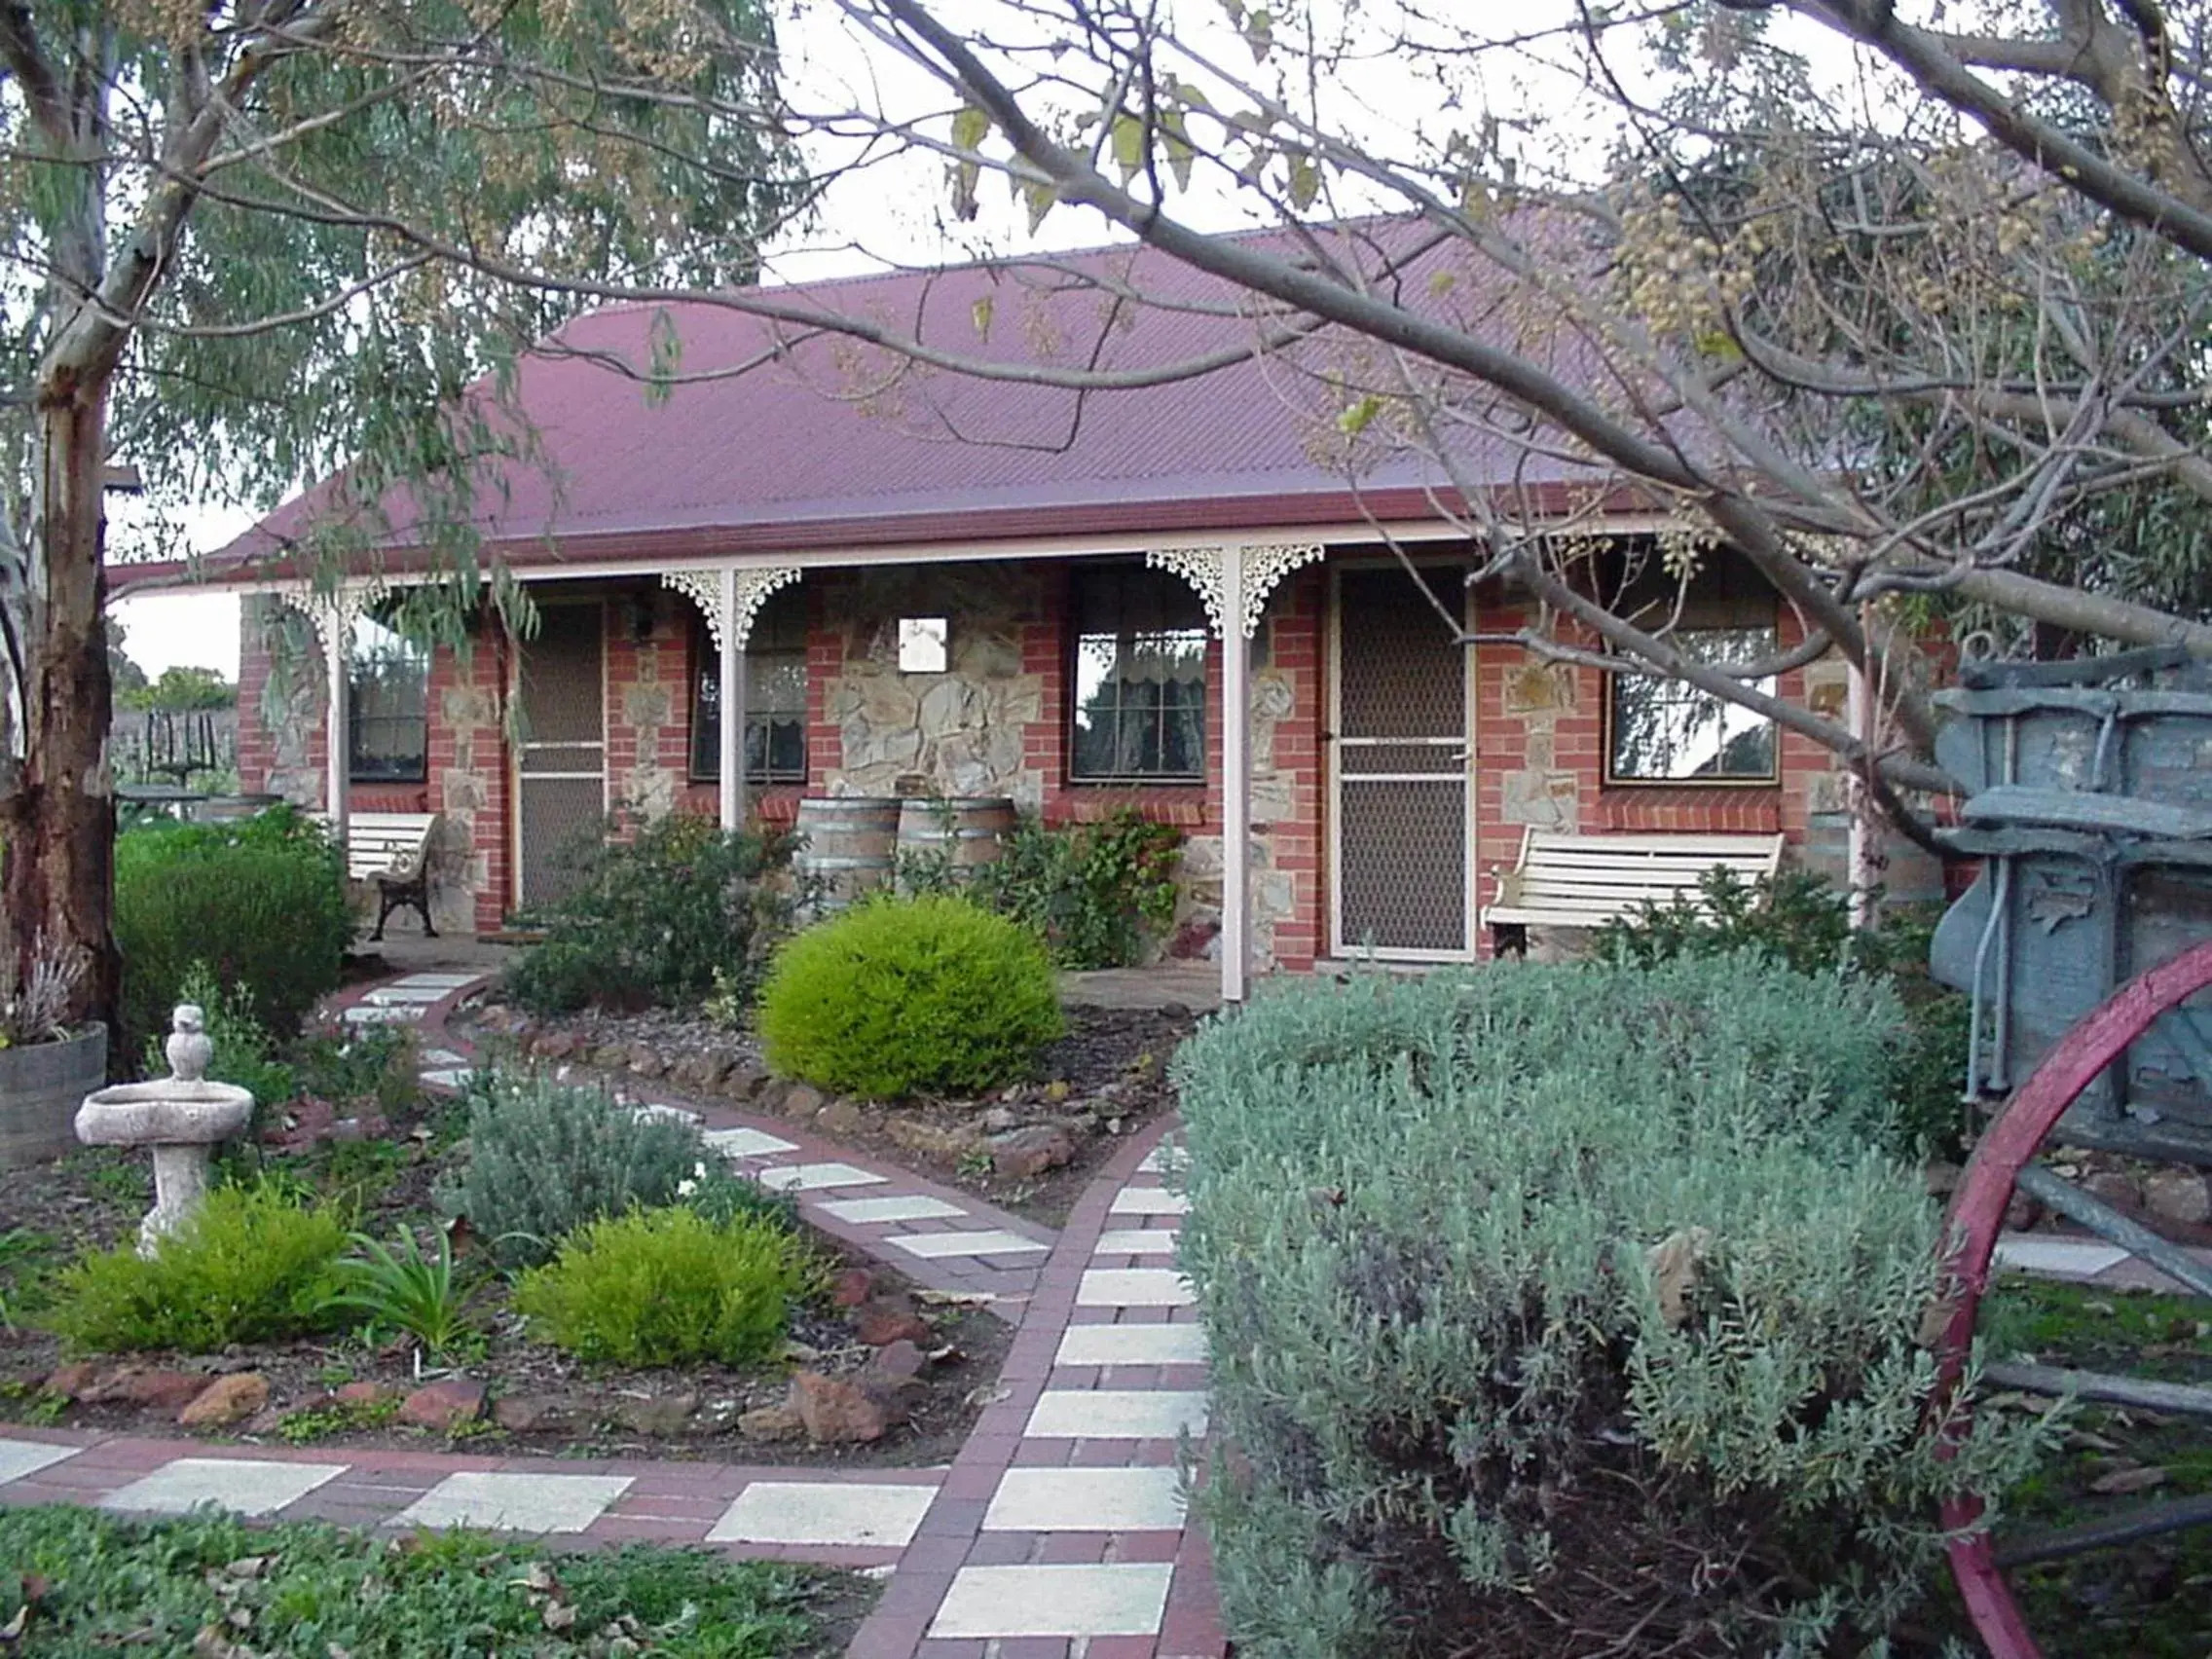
<point x="840" y="571"/>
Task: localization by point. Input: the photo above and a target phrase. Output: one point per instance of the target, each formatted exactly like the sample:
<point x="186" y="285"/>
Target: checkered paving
<point x="1061" y="1530"/>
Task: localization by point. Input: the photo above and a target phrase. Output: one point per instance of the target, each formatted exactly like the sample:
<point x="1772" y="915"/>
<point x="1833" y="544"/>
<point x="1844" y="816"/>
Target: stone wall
<point x="963" y="732"/>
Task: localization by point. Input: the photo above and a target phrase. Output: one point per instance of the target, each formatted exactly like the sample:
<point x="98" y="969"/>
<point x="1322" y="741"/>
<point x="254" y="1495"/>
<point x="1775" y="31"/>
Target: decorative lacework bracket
<point x="704" y="588"/>
<point x="331" y="615"/>
<point x="1265" y="564"/>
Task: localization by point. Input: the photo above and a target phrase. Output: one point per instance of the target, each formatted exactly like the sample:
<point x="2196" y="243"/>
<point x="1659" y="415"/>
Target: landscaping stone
<point x="442" y="1405"/>
<point x="835" y="1412"/>
<point x="744" y="1081"/>
<point x="72" y="1381"/>
<point x="997" y="1120"/>
<point x="700" y="1072"/>
<point x="543" y="1413"/>
<point x="669" y="1414"/>
<point x="226" y="1400"/>
<point x="646" y="1062"/>
<point x="771" y="1422"/>
<point x="1025" y="1153"/>
<point x="2022" y="1213"/>
<point x="365" y="1393"/>
<point x="852" y="1287"/>
<point x="2121" y="1191"/>
<point x="841" y="1118"/>
<point x="608" y="1057"/>
<point x="803" y="1100"/>
<point x="2179" y="1194"/>
<point x="138" y="1386"/>
<point x="887" y="1320"/>
<point x="949" y="1142"/>
<point x="894" y="1365"/>
<point x="554" y="1045"/>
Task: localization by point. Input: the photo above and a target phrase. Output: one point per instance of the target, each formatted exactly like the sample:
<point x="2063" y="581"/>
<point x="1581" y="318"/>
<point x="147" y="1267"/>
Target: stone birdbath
<point x="182" y="1118"/>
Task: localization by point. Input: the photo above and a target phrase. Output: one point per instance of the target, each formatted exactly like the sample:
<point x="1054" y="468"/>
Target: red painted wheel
<point x="2000" y="1164"/>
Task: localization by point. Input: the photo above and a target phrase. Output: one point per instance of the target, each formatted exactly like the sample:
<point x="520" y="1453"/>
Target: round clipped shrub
<point x="908" y="996"/>
<point x="667" y="1287"/>
<point x="251" y="1265"/>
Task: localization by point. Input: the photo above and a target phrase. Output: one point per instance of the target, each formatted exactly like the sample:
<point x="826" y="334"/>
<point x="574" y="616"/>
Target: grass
<point x="2153" y="1599"/>
<point x="87" y="1584"/>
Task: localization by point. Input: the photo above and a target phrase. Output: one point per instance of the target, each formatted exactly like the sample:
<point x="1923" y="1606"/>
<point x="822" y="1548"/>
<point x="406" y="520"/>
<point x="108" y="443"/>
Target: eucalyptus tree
<point x="243" y="242"/>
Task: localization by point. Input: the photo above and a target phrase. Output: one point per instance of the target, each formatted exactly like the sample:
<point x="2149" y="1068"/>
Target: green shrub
<point x="1096" y="893"/>
<point x="262" y="901"/>
<point x="666" y="1287"/>
<point x="251" y="1267"/>
<point x="1803" y="921"/>
<point x="903" y="996"/>
<point x="1548" y="1301"/>
<point x="653" y="918"/>
<point x="546" y="1157"/>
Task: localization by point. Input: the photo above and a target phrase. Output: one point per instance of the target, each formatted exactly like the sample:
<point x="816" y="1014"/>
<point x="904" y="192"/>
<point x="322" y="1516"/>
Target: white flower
<point x="699" y="1171"/>
<point x="685" y="1189"/>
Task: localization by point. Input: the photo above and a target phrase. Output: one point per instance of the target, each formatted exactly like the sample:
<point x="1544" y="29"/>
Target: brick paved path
<point x="1057" y="1533"/>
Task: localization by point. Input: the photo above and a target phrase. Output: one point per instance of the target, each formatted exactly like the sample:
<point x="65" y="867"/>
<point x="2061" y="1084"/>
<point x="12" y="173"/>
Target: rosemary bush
<point x="546" y="1157"/>
<point x="1556" y="1309"/>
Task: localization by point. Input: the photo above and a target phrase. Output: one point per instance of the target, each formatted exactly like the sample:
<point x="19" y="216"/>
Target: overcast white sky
<point x="897" y="213"/>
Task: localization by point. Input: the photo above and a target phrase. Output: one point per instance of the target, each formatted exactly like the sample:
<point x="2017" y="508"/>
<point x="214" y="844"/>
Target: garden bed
<point x="1031" y="1149"/>
<point x="514" y="1392"/>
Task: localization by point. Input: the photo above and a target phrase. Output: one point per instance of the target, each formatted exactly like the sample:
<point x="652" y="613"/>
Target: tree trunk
<point x="59" y="822"/>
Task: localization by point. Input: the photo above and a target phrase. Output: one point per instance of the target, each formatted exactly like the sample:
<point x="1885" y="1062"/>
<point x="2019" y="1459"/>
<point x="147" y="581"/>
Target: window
<point x="1139" y="708"/>
<point x="387" y="718"/>
<point x="1662" y="731"/>
<point x="775" y="696"/>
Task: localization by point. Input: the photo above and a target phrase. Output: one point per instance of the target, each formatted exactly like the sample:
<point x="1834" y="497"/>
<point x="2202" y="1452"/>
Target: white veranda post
<point x="1235" y="581"/>
<point x="730" y="752"/>
<point x="1235" y="781"/>
<point x="730" y="596"/>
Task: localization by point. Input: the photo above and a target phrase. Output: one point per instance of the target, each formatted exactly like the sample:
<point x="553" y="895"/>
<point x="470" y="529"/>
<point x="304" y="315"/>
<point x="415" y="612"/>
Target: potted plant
<point x="46" y="1068"/>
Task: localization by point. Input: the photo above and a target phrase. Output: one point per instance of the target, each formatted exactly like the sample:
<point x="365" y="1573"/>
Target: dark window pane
<point x="1664" y="731"/>
<point x="1138" y="703"/>
<point x="775" y="697"/>
<point x="387" y="736"/>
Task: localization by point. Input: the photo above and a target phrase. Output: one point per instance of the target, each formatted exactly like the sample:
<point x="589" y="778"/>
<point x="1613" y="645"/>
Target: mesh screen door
<point x="1401" y="767"/>
<point x="561" y="781"/>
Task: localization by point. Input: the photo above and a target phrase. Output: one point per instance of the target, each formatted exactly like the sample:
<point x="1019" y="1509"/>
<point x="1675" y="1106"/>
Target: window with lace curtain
<point x="1137" y="705"/>
<point x="775" y="696"/>
<point x="388" y="715"/>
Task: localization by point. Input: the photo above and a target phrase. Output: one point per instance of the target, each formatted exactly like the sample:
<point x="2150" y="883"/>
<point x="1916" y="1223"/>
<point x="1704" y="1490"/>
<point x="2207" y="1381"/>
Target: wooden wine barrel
<point x="850" y="843"/>
<point x="964" y="830"/>
<point x="41" y="1086"/>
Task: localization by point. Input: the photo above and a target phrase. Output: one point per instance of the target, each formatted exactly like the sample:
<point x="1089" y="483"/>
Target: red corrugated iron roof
<point x="830" y="443"/>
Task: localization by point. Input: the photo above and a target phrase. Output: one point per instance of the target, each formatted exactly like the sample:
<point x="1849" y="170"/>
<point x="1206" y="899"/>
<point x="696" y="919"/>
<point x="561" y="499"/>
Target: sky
<point x="897" y="213"/>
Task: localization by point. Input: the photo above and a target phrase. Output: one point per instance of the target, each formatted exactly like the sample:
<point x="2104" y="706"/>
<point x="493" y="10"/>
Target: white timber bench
<point x="1585" y="881"/>
<point x="392" y="851"/>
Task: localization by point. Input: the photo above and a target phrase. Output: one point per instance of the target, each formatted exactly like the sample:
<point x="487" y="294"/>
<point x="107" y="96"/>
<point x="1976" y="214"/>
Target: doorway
<point x="1401" y="765"/>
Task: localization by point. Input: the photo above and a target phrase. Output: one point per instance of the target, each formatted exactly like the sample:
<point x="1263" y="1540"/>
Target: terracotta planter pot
<point x="41" y="1086"/>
